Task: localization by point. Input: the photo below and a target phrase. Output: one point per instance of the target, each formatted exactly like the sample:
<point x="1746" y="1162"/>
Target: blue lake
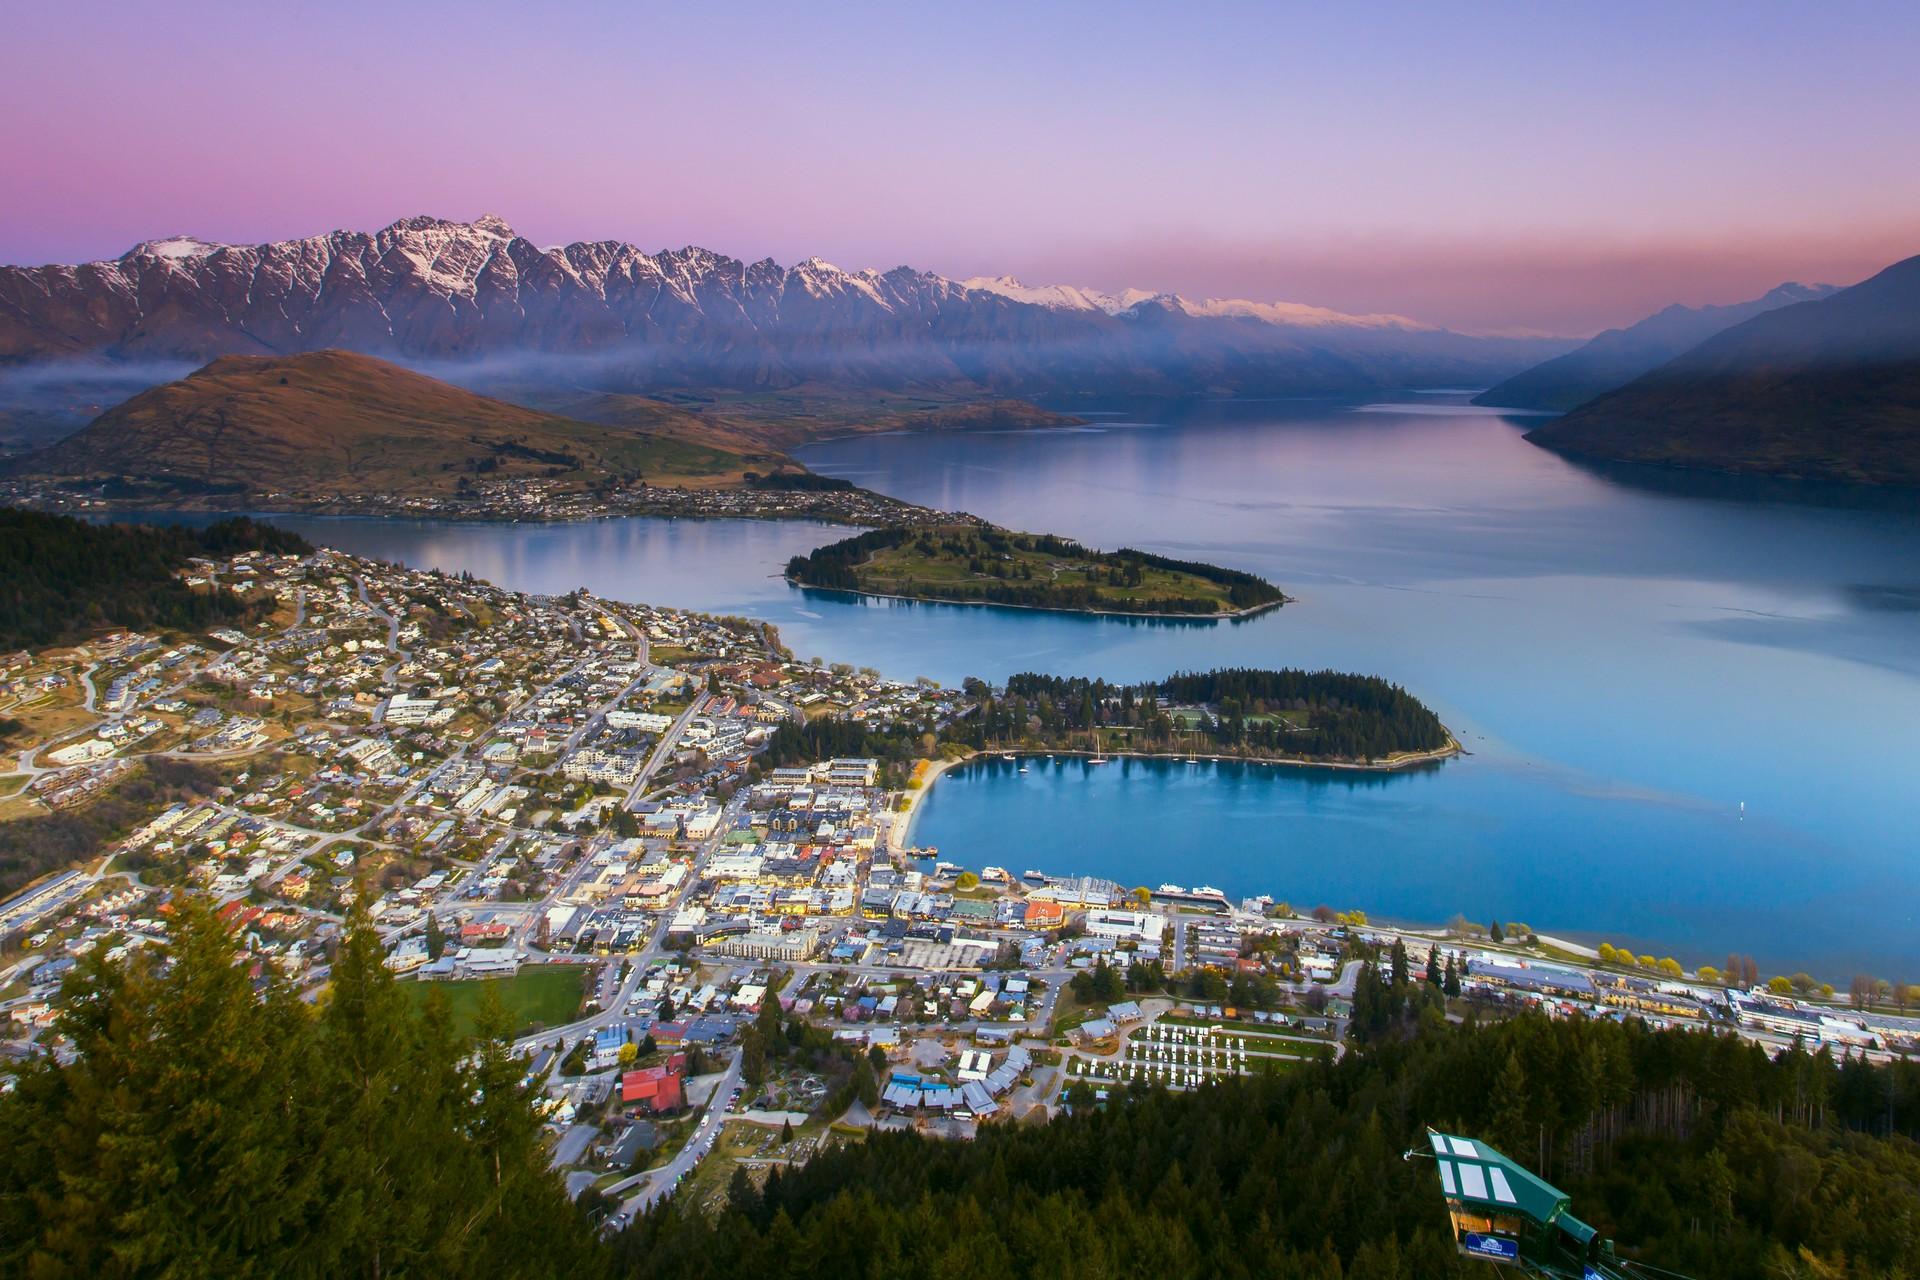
<point x="1629" y="657"/>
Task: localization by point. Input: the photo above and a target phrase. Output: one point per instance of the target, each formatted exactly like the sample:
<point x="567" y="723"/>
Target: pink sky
<point x="1545" y="168"/>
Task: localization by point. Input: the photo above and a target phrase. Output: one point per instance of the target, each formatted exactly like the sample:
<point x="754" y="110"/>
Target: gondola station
<point x="1504" y="1214"/>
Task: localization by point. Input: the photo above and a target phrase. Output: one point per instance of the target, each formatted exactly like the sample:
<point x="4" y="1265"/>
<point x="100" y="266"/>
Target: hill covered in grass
<point x="337" y="422"/>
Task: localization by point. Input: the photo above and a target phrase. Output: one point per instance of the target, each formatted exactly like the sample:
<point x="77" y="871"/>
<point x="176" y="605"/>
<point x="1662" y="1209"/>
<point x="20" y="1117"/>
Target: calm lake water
<point x="1629" y="657"/>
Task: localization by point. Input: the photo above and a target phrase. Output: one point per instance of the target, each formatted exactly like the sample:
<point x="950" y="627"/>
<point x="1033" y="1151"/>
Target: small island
<point x="981" y="564"/>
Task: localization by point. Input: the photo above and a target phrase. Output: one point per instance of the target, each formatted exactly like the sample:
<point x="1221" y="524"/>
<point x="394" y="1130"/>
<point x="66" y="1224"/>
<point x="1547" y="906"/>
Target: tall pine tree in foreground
<point x="206" y="1128"/>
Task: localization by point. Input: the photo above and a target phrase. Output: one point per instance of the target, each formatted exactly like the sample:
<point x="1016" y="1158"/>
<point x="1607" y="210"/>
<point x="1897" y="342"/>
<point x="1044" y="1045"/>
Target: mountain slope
<point x="474" y="301"/>
<point x="1618" y="356"/>
<point x="1828" y="389"/>
<point x="760" y="424"/>
<point x="333" y="421"/>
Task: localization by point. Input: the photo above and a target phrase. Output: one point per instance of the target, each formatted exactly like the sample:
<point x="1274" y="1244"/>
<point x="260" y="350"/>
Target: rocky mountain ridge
<point x="483" y="301"/>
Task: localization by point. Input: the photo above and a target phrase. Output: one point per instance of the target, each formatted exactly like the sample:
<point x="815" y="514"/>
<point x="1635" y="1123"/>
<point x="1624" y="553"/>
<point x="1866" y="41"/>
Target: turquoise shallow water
<point x="1629" y="656"/>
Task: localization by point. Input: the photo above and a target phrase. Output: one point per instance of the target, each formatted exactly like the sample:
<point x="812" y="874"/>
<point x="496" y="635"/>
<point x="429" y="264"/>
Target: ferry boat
<point x="1038" y="877"/>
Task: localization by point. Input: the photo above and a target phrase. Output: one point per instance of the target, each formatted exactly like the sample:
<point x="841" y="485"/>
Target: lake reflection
<point x="1628" y="658"/>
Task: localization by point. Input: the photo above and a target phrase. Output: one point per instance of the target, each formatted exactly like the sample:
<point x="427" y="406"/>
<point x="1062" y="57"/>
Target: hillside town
<point x="717" y="959"/>
<point x="789" y="496"/>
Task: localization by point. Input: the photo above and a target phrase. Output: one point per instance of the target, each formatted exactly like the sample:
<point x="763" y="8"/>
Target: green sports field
<point x="544" y="995"/>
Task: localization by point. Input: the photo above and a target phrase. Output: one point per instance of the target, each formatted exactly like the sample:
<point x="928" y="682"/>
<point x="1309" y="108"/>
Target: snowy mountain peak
<point x="174" y="248"/>
<point x="487" y="225"/>
<point x="1066" y="297"/>
<point x="1059" y="297"/>
<point x="1293" y="314"/>
<point x="1794" y="291"/>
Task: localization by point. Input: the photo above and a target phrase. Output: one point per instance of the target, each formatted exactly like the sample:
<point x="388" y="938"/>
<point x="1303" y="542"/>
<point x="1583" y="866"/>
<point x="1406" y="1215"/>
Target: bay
<point x="1629" y="656"/>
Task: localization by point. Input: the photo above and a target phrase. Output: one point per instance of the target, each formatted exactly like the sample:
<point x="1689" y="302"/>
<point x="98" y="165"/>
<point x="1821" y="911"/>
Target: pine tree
<point x="212" y="1123"/>
<point x="866" y="1084"/>
<point x="1510" y="1127"/>
<point x="753" y="1058"/>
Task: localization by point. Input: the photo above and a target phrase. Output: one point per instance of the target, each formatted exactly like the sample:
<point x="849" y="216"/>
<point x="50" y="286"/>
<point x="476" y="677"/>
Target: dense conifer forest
<point x="62" y="579"/>
<point x="1306" y="715"/>
<point x="1315" y="715"/>
<point x="1695" y="1152"/>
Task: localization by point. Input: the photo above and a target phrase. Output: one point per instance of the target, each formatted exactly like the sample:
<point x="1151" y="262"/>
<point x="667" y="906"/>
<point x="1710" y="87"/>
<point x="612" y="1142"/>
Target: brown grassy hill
<point x="334" y="421"/>
<point x="765" y="424"/>
<point x="657" y="417"/>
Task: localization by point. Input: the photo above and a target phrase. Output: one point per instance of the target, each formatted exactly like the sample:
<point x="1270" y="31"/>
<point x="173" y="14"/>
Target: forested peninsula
<point x="1293" y="717"/>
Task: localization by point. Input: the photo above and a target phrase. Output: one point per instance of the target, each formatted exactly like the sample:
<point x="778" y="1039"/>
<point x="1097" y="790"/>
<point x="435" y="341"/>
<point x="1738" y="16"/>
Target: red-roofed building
<point x="1044" y="914"/>
<point x="656" y="1089"/>
<point x="238" y="914"/>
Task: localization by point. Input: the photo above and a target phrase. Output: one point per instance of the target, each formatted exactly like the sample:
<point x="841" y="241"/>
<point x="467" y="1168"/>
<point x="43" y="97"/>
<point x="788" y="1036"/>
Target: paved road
<point x="650" y="1186"/>
<point x="572" y="1144"/>
<point x="668" y="741"/>
<point x="639" y="960"/>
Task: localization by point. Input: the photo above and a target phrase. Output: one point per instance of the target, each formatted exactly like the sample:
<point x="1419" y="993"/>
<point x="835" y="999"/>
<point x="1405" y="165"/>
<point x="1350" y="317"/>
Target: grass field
<point x="546" y="995"/>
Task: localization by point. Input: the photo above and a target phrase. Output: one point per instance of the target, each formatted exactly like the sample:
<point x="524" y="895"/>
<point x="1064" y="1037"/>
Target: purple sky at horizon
<point x="1501" y="167"/>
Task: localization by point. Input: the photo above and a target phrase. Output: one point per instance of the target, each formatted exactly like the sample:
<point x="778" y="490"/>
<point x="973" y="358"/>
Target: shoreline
<point x="900" y="828"/>
<point x="904" y="513"/>
<point x="1236" y="615"/>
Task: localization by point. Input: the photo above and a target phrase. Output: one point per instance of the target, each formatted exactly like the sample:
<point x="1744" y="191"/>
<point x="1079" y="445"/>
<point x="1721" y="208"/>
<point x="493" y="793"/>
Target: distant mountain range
<point x="1618" y="356"/>
<point x="1821" y="389"/>
<point x="475" y="302"/>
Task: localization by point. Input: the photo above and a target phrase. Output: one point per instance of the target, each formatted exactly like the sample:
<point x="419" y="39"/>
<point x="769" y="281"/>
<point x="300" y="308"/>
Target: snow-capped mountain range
<point x="431" y="291"/>
<point x="1066" y="297"/>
